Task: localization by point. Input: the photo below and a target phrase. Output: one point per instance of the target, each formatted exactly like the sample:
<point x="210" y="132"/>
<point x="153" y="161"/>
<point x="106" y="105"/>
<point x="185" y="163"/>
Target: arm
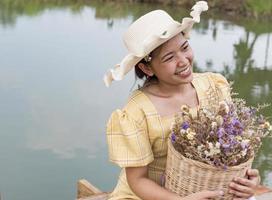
<point x="146" y="189"/>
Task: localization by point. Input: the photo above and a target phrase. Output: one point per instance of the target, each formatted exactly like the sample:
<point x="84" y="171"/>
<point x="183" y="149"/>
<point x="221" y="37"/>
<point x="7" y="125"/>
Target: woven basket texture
<point x="185" y="176"/>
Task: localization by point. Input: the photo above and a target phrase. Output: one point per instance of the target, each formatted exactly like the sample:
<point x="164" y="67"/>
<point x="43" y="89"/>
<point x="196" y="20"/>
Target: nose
<point x="182" y="59"/>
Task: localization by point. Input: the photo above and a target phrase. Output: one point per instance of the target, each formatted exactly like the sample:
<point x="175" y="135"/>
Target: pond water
<point x="54" y="105"/>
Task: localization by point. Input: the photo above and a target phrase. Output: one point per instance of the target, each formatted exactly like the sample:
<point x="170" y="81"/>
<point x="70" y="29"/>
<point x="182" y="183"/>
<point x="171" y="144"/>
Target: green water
<point x="54" y="105"/>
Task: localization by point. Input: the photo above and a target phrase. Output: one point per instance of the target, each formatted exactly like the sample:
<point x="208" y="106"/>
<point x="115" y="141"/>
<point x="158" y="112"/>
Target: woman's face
<point x="172" y="62"/>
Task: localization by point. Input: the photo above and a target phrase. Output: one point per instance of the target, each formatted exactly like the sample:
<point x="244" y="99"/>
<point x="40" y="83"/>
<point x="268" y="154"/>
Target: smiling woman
<point x="137" y="134"/>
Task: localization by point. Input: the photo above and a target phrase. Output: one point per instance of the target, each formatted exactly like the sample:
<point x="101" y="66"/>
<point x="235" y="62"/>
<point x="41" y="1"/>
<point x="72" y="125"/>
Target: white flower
<point x="244" y="152"/>
<point x="250" y="132"/>
<point x="217" y="145"/>
<point x="210" y="145"/>
<point x="182" y="131"/>
<point x="206" y="153"/>
<point x="199" y="148"/>
<point x="185" y="108"/>
<point x="191" y="135"/>
<point x="214" y="125"/>
<point x="219" y="120"/>
<point x="238" y="137"/>
<point x="246" y="141"/>
<point x="214" y="151"/>
<point x="268" y="126"/>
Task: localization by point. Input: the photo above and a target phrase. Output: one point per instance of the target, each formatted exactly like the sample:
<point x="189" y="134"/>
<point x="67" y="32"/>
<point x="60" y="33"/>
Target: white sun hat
<point x="147" y="33"/>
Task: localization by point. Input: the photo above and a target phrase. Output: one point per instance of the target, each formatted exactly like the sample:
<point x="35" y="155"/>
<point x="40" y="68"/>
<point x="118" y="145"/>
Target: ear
<point x="146" y="69"/>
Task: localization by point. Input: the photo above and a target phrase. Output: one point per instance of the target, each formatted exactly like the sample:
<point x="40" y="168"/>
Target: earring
<point x="147" y="58"/>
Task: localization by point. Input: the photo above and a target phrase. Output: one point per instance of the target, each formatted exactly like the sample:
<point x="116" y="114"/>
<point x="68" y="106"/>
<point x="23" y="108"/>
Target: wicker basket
<point x="186" y="176"/>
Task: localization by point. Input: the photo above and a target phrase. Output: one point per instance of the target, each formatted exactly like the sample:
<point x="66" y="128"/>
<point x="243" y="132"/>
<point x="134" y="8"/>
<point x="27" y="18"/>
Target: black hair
<point x="139" y="74"/>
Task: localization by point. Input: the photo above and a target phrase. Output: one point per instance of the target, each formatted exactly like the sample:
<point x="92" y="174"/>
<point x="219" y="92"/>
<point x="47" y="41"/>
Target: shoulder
<point x="211" y="78"/>
<point x="136" y="108"/>
<point x="213" y="86"/>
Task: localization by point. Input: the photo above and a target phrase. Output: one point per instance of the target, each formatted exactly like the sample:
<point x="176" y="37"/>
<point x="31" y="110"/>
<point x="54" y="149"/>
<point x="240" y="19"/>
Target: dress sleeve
<point x="128" y="141"/>
<point x="222" y="86"/>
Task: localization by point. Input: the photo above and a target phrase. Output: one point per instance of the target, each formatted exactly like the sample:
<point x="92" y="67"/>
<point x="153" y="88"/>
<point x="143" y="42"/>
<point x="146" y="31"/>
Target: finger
<point x="238" y="194"/>
<point x="246" y="191"/>
<point x="252" y="172"/>
<point x="244" y="181"/>
<point x="239" y="198"/>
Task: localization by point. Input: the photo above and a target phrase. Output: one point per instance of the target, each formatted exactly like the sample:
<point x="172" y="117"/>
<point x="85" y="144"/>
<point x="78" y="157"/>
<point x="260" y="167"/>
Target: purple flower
<point x="221" y="141"/>
<point x="243" y="145"/>
<point x="235" y="122"/>
<point x="229" y="129"/>
<point x="173" y="137"/>
<point x="220" y="132"/>
<point x="238" y="127"/>
<point x="185" y="125"/>
<point x="226" y="146"/>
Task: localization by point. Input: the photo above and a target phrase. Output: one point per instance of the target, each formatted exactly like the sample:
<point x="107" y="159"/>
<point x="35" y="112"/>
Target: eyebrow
<point x="184" y="43"/>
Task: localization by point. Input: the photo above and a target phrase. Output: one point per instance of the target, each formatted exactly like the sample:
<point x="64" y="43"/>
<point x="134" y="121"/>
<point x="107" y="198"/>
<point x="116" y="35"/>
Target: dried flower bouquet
<point x="207" y="151"/>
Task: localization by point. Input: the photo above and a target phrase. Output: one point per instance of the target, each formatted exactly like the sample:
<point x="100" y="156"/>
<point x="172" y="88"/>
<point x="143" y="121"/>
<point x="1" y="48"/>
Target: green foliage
<point x="259" y="6"/>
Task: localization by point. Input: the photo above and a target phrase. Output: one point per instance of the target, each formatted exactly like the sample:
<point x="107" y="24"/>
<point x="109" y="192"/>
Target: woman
<point x="137" y="134"/>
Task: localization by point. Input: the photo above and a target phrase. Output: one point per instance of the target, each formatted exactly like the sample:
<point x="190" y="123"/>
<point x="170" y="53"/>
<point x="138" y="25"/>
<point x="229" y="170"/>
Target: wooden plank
<point x="265" y="196"/>
<point x="103" y="196"/>
<point x="263" y="193"/>
<point x="86" y="189"/>
<point x="263" y="189"/>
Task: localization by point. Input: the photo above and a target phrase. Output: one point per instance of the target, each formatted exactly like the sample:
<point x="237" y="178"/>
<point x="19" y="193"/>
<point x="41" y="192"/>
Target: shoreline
<point x="244" y="8"/>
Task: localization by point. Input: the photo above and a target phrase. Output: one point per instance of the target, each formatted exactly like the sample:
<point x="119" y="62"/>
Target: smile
<point x="186" y="69"/>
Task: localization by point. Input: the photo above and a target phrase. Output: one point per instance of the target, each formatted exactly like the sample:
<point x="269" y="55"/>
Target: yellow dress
<point x="137" y="134"/>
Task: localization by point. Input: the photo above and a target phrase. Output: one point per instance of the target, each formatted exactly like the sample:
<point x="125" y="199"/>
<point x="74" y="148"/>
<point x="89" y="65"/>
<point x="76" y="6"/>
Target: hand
<point x="243" y="188"/>
<point x="204" y="195"/>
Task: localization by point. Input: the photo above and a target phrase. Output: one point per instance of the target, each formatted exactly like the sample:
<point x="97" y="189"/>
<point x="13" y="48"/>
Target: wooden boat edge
<point x="87" y="191"/>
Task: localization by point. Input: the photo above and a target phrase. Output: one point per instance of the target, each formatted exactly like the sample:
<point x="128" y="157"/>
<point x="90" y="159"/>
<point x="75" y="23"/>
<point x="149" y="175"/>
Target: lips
<point x="179" y="71"/>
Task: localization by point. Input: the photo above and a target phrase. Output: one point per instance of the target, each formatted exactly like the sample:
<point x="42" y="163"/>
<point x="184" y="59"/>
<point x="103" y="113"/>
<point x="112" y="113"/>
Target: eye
<point x="186" y="47"/>
<point x="168" y="59"/>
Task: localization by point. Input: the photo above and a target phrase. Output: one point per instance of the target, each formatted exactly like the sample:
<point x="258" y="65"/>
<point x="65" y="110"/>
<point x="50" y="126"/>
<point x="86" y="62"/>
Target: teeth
<point x="186" y="69"/>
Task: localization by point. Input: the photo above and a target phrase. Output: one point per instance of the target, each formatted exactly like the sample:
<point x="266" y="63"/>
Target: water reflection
<point x="56" y="87"/>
